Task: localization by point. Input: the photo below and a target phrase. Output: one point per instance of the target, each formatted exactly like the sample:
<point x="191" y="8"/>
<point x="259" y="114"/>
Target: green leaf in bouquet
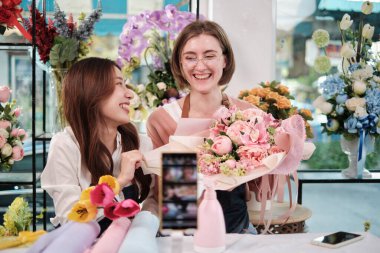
<point x="64" y="50"/>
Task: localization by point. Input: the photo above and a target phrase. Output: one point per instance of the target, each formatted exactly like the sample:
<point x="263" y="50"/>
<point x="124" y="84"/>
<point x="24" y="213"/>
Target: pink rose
<point x="5" y="93"/>
<point x="255" y="154"/>
<point x="17" y="153"/>
<point x="17" y="112"/>
<point x="14" y="132"/>
<point x="21" y="133"/>
<point x="237" y="130"/>
<point x="253" y="115"/>
<point x="222" y="145"/>
<point x="230" y="163"/>
<point x="5" y="124"/>
<point x="222" y="114"/>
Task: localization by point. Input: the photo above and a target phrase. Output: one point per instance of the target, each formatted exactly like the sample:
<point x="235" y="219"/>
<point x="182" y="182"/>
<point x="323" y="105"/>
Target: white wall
<point x="251" y="27"/>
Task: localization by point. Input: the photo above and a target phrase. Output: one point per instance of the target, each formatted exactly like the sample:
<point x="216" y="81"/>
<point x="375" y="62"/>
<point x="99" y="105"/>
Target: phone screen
<point x="179" y="191"/>
<point x="337" y="238"/>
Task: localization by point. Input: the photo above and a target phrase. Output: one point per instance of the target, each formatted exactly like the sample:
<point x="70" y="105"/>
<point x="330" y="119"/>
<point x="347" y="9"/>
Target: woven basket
<point x="294" y="224"/>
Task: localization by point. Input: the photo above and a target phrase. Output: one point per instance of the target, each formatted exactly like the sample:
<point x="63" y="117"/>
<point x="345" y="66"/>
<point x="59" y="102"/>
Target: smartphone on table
<point x="337" y="239"/>
<point x="178" y="192"/>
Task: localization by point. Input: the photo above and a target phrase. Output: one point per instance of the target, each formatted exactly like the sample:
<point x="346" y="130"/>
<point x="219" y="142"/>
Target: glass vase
<point x="350" y="148"/>
<point x="57" y="119"/>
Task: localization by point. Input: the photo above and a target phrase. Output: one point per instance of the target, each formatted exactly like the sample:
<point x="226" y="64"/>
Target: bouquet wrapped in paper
<point x="246" y="144"/>
<point x="238" y="146"/>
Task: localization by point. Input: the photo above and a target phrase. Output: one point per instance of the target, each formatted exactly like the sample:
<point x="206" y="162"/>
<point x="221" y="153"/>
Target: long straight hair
<point x="88" y="83"/>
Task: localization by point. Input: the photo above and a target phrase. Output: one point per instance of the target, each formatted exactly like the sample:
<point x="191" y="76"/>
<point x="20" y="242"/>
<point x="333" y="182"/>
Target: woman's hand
<point x="130" y="161"/>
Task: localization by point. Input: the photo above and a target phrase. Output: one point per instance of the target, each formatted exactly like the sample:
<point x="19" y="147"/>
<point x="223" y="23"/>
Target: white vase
<point x="57" y="118"/>
<point x="350" y="148"/>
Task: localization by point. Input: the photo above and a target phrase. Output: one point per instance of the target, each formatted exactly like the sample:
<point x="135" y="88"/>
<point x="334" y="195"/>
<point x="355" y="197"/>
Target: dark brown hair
<point x="195" y="29"/>
<point x="87" y="83"/>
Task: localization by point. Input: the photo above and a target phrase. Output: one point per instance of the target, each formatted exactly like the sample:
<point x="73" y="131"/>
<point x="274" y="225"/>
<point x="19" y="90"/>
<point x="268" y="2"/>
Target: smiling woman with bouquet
<point x="203" y="60"/>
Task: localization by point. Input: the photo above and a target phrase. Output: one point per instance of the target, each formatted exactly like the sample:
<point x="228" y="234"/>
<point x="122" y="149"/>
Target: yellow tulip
<point x="85" y="195"/>
<point x="111" y="181"/>
<point x="83" y="211"/>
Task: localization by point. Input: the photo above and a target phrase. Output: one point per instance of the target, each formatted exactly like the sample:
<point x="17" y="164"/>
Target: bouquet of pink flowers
<point x="11" y="136"/>
<point x="246" y="144"/>
<point x="103" y="195"/>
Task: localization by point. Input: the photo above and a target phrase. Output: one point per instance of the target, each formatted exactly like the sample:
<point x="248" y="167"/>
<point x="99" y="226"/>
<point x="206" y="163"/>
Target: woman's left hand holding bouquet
<point x="130" y="161"/>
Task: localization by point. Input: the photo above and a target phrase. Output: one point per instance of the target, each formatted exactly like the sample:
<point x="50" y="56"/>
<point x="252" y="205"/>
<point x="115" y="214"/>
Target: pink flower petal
<point x="102" y="195"/>
<point x="109" y="211"/>
<point x="127" y="208"/>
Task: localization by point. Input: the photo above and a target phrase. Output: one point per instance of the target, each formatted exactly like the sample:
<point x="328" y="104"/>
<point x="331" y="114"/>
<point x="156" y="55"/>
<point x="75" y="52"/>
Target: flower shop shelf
<point x="330" y="177"/>
<point x="22" y="178"/>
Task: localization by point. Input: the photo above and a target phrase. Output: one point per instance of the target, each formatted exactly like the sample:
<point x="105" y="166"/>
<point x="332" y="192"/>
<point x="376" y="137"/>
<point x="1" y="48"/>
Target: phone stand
<point x="211" y="233"/>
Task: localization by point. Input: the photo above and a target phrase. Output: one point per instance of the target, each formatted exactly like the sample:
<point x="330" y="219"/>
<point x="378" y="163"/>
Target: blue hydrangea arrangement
<point x="351" y="99"/>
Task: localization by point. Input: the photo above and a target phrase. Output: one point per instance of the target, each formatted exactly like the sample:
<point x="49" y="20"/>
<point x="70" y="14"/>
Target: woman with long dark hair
<point x="100" y="140"/>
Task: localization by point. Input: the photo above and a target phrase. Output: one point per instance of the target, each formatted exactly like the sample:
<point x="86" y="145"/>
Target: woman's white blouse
<point x="65" y="177"/>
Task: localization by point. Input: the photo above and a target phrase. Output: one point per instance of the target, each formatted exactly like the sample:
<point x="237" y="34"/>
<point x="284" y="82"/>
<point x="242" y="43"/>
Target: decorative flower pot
<point x="57" y="119"/>
<point x="350" y="148"/>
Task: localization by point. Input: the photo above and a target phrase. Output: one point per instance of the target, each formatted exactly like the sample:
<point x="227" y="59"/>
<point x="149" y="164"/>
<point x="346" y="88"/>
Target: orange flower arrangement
<point x="274" y="97"/>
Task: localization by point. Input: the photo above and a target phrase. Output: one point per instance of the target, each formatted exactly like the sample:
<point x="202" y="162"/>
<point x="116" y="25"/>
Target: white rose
<point x="367" y="7"/>
<point x="355" y="102"/>
<point x="376" y="79"/>
<point x="6" y="150"/>
<point x="368" y="31"/>
<point x="140" y="88"/>
<point x="347" y="51"/>
<point x="4" y="133"/>
<point x="11" y="161"/>
<point x="362" y="74"/>
<point x="359" y="87"/>
<point x="346" y="22"/>
<point x="322" y="105"/>
<point x="161" y="86"/>
<point x="360" y="112"/>
<point x="151" y="99"/>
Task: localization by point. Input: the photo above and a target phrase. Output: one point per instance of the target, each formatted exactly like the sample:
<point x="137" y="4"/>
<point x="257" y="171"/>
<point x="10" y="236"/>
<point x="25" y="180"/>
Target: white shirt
<point x="65" y="176"/>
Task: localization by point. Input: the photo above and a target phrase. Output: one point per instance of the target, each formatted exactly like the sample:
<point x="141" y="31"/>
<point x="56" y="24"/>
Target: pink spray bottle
<point x="210" y="236"/>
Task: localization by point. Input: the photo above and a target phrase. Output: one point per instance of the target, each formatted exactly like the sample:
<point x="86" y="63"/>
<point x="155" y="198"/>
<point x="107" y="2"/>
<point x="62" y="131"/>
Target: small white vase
<point x="350" y="148"/>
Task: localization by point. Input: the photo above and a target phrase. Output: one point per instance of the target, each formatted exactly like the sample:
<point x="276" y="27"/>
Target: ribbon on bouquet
<point x="366" y="146"/>
<point x="9" y="19"/>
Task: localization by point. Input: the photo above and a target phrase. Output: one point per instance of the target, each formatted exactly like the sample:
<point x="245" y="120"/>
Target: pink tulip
<point x="17" y="153"/>
<point x="127" y="208"/>
<point x="5" y="93"/>
<point x="109" y="211"/>
<point x="102" y="195"/>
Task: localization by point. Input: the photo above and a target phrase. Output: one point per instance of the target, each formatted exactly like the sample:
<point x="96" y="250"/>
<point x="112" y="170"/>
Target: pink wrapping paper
<point x="112" y="238"/>
<point x="292" y="142"/>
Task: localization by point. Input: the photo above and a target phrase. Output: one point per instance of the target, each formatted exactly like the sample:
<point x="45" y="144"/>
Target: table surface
<point x="292" y="243"/>
<point x="284" y="243"/>
<point x="333" y="176"/>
